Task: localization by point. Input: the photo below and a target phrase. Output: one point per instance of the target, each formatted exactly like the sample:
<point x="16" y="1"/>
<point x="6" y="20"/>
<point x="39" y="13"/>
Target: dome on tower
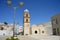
<point x="26" y="10"/>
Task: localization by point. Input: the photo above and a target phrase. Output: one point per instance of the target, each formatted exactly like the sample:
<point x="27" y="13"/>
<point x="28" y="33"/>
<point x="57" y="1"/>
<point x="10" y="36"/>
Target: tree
<point x="5" y="23"/>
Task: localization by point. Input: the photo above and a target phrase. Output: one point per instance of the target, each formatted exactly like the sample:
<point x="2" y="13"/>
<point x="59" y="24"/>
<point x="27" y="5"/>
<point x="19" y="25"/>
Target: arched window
<point x="35" y="32"/>
<point x="26" y="15"/>
<point x="26" y="20"/>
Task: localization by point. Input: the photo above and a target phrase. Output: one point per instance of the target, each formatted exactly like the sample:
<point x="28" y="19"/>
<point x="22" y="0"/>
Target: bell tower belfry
<point x="26" y="22"/>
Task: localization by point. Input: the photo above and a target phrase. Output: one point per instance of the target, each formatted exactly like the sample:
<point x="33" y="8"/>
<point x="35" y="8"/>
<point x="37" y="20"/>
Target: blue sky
<point x="40" y="10"/>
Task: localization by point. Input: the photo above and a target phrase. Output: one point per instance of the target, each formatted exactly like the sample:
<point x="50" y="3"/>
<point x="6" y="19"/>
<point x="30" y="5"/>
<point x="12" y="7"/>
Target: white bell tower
<point x="26" y="22"/>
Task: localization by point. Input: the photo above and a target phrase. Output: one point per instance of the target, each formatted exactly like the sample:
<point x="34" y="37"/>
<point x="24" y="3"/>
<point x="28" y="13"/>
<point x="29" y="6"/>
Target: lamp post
<point x="9" y="2"/>
<point x="14" y="34"/>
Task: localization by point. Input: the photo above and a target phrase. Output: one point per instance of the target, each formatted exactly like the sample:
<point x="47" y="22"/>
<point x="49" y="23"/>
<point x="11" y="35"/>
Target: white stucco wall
<point x="6" y="33"/>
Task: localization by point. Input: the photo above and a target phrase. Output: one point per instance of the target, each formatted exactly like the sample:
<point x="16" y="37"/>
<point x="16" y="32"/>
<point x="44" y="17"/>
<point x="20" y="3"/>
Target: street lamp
<point x="14" y="33"/>
<point x="9" y="2"/>
<point x="21" y="4"/>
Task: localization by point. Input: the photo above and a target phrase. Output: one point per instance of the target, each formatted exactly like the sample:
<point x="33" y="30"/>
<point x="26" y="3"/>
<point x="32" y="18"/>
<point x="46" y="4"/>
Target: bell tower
<point x="26" y="22"/>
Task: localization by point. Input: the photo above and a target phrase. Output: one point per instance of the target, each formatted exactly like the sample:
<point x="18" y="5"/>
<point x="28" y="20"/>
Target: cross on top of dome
<point x="26" y="10"/>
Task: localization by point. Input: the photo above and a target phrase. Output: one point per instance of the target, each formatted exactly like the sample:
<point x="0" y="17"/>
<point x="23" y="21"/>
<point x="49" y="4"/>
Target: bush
<point x="12" y="38"/>
<point x="7" y="39"/>
<point x="16" y="39"/>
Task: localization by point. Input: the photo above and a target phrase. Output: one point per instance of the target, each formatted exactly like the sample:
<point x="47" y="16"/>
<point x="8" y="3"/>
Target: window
<point x="54" y="31"/>
<point x="26" y="20"/>
<point x="54" y="21"/>
<point x="2" y="28"/>
<point x="3" y="34"/>
<point x="58" y="30"/>
<point x="26" y="15"/>
<point x="42" y="31"/>
<point x="35" y="32"/>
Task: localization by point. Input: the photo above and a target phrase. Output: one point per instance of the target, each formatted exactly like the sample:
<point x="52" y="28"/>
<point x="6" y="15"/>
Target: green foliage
<point x="12" y="38"/>
<point x="16" y="39"/>
<point x="7" y="39"/>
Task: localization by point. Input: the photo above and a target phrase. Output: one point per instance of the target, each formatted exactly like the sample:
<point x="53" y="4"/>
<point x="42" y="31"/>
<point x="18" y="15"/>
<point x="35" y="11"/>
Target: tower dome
<point x="26" y="10"/>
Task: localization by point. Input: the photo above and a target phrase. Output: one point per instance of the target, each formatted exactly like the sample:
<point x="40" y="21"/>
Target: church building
<point x="34" y="29"/>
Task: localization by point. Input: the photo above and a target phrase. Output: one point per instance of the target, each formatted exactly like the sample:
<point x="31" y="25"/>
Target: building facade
<point x="38" y="30"/>
<point x="7" y="30"/>
<point x="56" y="24"/>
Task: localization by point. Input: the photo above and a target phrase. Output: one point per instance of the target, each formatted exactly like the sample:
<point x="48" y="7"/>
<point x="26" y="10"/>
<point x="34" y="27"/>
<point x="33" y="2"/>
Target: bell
<point x="9" y="2"/>
<point x="21" y="4"/>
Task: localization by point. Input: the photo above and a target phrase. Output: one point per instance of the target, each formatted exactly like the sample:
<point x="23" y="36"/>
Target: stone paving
<point x="34" y="37"/>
